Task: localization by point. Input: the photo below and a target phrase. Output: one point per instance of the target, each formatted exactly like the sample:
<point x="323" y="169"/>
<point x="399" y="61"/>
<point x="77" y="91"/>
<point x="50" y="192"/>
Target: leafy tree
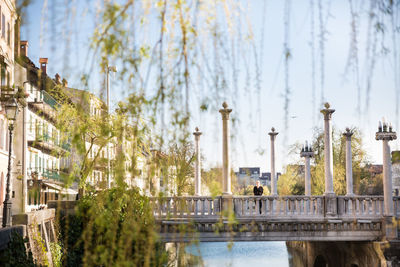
<point x="292" y="180"/>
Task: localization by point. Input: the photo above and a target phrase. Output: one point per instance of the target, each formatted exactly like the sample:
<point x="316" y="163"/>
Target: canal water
<point x="238" y="254"/>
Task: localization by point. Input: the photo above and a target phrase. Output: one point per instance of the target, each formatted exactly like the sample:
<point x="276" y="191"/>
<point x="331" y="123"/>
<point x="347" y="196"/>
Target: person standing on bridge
<point x="258" y="191"/>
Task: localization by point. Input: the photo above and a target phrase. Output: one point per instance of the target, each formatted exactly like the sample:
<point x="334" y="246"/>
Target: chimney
<point x="58" y="78"/>
<point x="65" y="83"/>
<point x="24" y="48"/>
<point x="43" y="64"/>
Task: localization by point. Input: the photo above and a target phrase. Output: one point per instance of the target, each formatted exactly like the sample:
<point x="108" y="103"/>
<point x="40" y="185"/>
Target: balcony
<point x="44" y="104"/>
<point x="49" y="144"/>
<point x="45" y="174"/>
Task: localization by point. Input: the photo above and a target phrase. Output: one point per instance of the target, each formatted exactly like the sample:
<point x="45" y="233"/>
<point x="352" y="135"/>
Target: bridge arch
<point x="320" y="261"/>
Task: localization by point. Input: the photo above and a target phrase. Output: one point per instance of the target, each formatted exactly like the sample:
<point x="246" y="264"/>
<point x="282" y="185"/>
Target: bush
<point x="112" y="228"/>
<point x="15" y="255"/>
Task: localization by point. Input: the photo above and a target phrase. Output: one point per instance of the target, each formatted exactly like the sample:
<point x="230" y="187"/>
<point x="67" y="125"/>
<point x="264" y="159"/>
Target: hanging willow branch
<point x="287" y="55"/>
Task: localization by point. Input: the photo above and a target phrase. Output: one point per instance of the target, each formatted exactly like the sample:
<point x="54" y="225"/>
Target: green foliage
<point x="291" y="181"/>
<point x="15" y="255"/>
<point x="56" y="254"/>
<point x="39" y="246"/>
<point x="112" y="228"/>
<point x="248" y="191"/>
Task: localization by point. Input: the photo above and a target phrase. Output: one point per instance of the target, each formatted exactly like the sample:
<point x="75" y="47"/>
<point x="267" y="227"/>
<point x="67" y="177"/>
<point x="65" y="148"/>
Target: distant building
<point x="396" y="172"/>
<point x="248" y="175"/>
<point x="375" y="169"/>
<point x="265" y="178"/>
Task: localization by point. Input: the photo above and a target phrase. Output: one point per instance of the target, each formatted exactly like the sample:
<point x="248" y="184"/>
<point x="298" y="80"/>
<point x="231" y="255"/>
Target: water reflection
<point x="246" y="254"/>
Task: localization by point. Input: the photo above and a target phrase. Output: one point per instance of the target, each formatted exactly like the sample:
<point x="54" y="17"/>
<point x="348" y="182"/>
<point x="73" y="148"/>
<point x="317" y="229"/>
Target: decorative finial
<point x="224" y="105"/>
<point x="327" y="106"/>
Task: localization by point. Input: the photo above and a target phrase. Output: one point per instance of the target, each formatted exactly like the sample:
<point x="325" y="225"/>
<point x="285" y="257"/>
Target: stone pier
<point x="346" y="254"/>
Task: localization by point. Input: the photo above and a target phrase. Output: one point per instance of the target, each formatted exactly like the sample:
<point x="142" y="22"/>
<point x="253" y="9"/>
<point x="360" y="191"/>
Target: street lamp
<point x="11" y="108"/>
<point x="112" y="69"/>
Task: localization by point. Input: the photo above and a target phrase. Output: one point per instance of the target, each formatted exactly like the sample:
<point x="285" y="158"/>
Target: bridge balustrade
<point x="290" y="207"/>
<point x="286" y="206"/>
<point x="185" y="207"/>
<point x="360" y="206"/>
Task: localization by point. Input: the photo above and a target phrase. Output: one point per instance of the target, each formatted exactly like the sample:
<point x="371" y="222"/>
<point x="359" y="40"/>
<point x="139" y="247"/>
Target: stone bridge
<point x="284" y="218"/>
<point x="277" y="218"/>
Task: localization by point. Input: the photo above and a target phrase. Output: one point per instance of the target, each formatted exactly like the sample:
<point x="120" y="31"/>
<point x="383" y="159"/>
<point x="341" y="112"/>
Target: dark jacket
<point x="258" y="191"/>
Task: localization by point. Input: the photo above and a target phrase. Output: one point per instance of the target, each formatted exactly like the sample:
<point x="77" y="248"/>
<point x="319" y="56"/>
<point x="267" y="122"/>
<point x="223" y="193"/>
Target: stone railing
<point x="285" y="207"/>
<point x="185" y="207"/>
<point x="360" y="206"/>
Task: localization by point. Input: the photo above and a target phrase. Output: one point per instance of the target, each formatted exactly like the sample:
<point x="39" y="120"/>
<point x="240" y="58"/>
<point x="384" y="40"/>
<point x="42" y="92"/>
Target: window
<point x="2" y="131"/>
<point x="7" y="136"/>
<point x="2" y="188"/>
<point x="3" y="74"/>
<point x="8" y="34"/>
<point x="30" y="124"/>
<point x="3" y="26"/>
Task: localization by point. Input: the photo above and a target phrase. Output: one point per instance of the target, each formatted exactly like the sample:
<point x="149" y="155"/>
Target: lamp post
<point x="11" y="108"/>
<point x="112" y="69"/>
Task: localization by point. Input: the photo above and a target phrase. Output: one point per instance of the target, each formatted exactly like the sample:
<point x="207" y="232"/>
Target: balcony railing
<point x="48" y="99"/>
<point x="51" y="174"/>
<point x="49" y="142"/>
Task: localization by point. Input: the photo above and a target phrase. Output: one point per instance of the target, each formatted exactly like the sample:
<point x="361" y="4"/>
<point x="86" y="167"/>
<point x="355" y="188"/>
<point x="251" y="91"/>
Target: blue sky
<point x="69" y="60"/>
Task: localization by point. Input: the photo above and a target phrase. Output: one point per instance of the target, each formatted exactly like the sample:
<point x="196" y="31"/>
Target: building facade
<point x="7" y="22"/>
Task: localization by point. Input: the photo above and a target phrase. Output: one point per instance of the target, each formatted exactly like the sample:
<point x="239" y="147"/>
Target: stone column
<point x="226" y="175"/>
<point x="328" y="150"/>
<point x="307" y="154"/>
<point x="386" y="134"/>
<point x="197" y="174"/>
<point x="349" y="165"/>
<point x="273" y="135"/>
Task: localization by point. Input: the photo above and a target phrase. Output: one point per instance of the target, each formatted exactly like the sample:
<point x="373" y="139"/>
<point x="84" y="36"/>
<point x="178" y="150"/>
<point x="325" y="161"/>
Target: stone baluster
<point x="386" y="134"/>
<point x="273" y="135"/>
<point x="197" y="174"/>
<point x="349" y="165"/>
<point x="307" y="154"/>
